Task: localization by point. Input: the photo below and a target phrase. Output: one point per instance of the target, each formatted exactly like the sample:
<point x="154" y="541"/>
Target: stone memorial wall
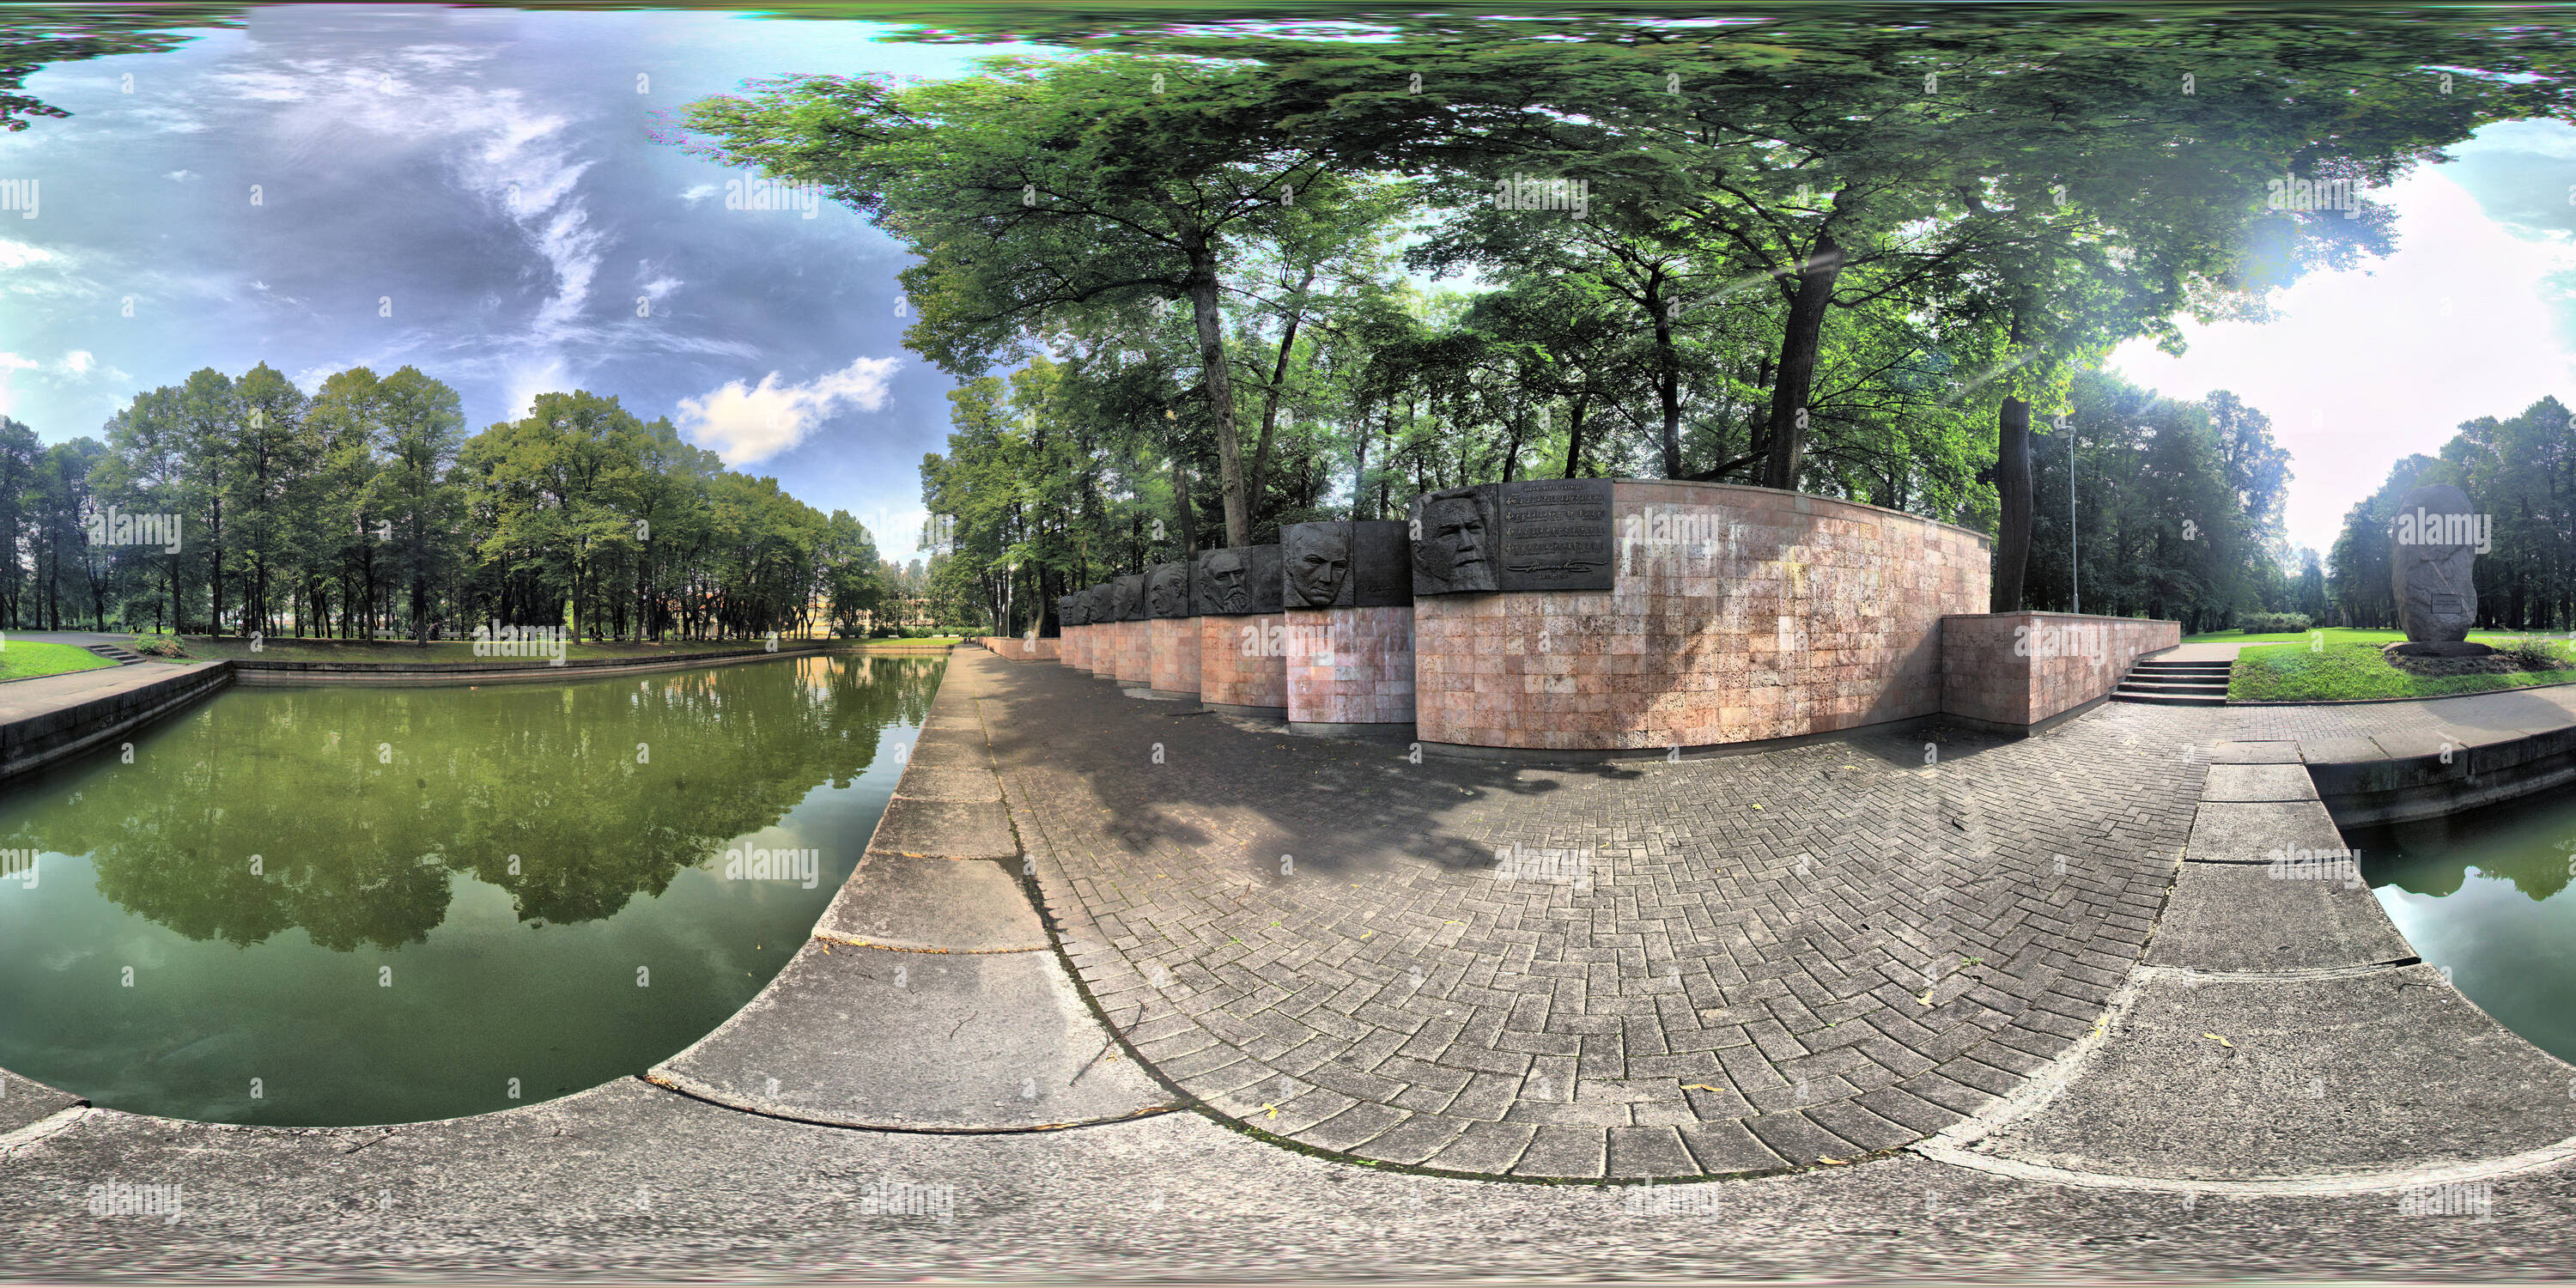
<point x="1349" y="594"/>
<point x="1068" y="618"/>
<point x="1594" y="615"/>
<point x="1242" y="658"/>
<point x="2020" y="669"/>
<point x="1133" y="663"/>
<point x="1172" y="635"/>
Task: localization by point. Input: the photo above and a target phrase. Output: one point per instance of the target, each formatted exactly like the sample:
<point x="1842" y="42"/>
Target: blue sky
<point x="487" y="177"/>
<point x="2468" y="317"/>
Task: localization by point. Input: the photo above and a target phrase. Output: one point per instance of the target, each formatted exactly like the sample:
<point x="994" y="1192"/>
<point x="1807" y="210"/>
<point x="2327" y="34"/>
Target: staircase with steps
<point x="116" y="653"/>
<point x="2175" y="684"/>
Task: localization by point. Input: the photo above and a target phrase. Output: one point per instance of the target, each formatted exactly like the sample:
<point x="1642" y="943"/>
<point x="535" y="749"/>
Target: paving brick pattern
<point x="1732" y="965"/>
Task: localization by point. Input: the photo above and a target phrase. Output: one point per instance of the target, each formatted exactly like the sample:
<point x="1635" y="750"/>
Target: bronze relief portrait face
<point x="1318" y="559"/>
<point x="1453" y="548"/>
<point x="1167" y="590"/>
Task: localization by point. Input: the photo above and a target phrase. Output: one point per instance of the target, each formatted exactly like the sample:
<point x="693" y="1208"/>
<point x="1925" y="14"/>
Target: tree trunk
<point x="1574" y="439"/>
<point x="1219" y="385"/>
<point x="2013" y="490"/>
<point x="1255" y="487"/>
<point x="1799" y="341"/>
<point x="1181" y="508"/>
<point x="1668" y="384"/>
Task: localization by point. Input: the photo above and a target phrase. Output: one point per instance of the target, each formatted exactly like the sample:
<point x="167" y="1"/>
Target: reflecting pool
<point x="2486" y="894"/>
<point x="332" y="906"/>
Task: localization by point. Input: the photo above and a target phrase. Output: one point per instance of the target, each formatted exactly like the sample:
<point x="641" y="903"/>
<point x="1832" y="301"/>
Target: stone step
<point x="116" y="653"/>
<point x="2175" y="684"/>
<point x="2125" y="694"/>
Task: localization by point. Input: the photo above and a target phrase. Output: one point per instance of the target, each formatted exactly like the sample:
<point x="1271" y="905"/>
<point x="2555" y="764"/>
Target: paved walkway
<point x="1765" y="961"/>
<point x="20" y="699"/>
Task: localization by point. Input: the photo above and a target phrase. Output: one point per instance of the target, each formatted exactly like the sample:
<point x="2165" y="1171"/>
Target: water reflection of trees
<point x="2536" y="855"/>
<point x="357" y="851"/>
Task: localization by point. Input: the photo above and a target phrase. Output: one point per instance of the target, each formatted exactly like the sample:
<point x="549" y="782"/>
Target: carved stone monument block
<point x="1364" y="563"/>
<point x="1167" y="590"/>
<point x="1237" y="581"/>
<point x="2433" y="560"/>
<point x="1545" y="534"/>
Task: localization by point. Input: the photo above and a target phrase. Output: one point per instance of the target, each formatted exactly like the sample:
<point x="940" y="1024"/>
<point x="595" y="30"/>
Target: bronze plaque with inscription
<point x="1557" y="535"/>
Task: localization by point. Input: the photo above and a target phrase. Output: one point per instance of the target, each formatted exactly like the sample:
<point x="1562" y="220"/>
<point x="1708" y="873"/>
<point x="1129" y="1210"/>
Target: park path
<point x="1706" y="967"/>
<point x="45" y="694"/>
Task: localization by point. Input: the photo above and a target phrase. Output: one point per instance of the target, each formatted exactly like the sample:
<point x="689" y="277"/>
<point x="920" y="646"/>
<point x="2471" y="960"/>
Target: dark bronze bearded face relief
<point x="1127" y="598"/>
<point x="1453" y="542"/>
<point x="1068" y="610"/>
<point x="1238" y="580"/>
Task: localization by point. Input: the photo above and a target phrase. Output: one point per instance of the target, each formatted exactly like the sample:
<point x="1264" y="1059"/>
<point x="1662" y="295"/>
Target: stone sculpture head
<point x="1127" y="598"/>
<point x="1068" y="610"/>
<point x="1318" y="560"/>
<point x="1453" y="547"/>
<point x="1167" y="589"/>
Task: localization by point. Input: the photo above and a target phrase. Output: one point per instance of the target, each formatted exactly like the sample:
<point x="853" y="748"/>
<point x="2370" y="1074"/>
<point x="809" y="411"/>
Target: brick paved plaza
<point x="1713" y="966"/>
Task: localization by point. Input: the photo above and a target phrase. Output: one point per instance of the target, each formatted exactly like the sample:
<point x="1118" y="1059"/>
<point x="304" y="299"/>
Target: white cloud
<point x="495" y="143"/>
<point x="10" y="365"/>
<point x="699" y="193"/>
<point x="745" y="425"/>
<point x="78" y="362"/>
<point x="180" y="175"/>
<point x="18" y="254"/>
<point x="2366" y="366"/>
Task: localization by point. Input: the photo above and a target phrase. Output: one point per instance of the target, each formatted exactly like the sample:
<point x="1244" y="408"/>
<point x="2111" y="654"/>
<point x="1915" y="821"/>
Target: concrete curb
<point x="2140" y="1103"/>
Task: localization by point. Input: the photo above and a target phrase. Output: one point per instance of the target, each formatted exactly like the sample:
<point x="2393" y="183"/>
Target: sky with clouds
<point x="477" y="193"/>
<point x="2468" y="317"/>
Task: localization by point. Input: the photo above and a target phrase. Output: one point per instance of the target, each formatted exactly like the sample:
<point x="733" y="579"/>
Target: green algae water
<point x="2486" y="894"/>
<point x="336" y="906"/>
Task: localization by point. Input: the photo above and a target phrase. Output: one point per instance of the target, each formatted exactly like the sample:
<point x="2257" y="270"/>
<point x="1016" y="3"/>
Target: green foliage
<point x="2272" y="623"/>
<point x="2344" y="670"/>
<point x="364" y="511"/>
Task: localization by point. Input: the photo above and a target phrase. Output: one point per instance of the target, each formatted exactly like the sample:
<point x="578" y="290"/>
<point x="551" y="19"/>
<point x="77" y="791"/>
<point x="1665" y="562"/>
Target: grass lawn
<point x="2349" y="668"/>
<point x="2334" y="635"/>
<point x="26" y="659"/>
<point x="441" y="651"/>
